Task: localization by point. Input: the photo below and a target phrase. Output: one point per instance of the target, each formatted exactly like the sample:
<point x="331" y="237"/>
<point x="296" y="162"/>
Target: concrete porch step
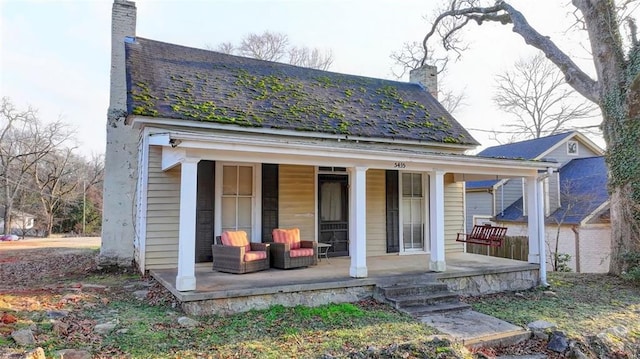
<point x="398" y="290"/>
<point x="422" y="299"/>
<point x="419" y="311"/>
<point x="475" y="329"/>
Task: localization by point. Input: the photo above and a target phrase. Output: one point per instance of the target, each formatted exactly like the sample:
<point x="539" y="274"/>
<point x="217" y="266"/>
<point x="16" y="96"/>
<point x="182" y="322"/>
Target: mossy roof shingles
<point x="177" y="82"/>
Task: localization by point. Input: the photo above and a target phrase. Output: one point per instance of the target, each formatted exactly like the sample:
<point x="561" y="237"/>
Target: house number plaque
<point x="399" y="165"/>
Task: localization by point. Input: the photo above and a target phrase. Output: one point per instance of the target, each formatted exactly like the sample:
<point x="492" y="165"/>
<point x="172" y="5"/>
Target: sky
<point x="55" y="55"/>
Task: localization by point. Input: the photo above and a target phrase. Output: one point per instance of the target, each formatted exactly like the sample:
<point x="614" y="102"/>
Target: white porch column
<point x="436" y="221"/>
<point x="186" y="278"/>
<point x="358" y="222"/>
<point x="541" y="234"/>
<point x="533" y="222"/>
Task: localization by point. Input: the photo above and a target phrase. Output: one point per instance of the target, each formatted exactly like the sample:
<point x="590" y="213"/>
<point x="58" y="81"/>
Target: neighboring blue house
<point x="575" y="198"/>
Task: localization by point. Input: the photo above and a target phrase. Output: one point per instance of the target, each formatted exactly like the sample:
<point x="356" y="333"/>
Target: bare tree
<point x="616" y="89"/>
<point x="226" y="48"/>
<point x="270" y="46"/>
<point x="57" y="177"/>
<point x="410" y="57"/>
<point x="535" y="93"/>
<point x="312" y="58"/>
<point x="24" y="141"/>
<point x="274" y="46"/>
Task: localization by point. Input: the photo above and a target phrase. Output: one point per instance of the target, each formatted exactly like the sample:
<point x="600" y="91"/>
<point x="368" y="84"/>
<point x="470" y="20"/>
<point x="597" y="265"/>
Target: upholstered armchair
<point x="288" y="251"/>
<point x="233" y="253"/>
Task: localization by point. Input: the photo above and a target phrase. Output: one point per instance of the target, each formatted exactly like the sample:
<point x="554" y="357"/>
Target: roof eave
<point x="142" y="121"/>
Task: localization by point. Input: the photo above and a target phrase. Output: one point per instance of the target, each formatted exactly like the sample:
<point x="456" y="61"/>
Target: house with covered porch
<point x="200" y="142"/>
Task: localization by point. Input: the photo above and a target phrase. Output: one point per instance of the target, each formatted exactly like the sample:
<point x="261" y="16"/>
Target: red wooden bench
<point x="484" y="234"/>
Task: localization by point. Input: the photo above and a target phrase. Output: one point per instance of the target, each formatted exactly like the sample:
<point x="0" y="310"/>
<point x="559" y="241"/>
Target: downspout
<point x="502" y="199"/>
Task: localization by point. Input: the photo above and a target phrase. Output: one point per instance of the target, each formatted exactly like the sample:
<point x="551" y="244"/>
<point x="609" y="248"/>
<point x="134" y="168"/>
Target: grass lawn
<point x="583" y="305"/>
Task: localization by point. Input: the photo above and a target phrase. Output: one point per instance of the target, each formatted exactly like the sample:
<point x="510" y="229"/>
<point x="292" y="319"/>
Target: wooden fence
<point x="516" y="247"/>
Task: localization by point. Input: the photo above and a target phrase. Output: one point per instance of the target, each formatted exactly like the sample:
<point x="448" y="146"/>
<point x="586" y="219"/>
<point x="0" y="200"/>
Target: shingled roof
<point x="177" y="82"/>
<point x="528" y="150"/>
<point x="583" y="187"/>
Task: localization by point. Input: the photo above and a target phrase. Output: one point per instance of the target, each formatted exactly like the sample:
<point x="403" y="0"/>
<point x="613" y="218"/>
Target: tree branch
<point x="504" y="13"/>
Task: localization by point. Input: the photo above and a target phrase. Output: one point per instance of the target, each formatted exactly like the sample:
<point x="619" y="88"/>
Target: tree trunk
<point x="625" y="232"/>
<point x="618" y="94"/>
<point x="49" y="225"/>
<point x="621" y="129"/>
<point x="7" y="218"/>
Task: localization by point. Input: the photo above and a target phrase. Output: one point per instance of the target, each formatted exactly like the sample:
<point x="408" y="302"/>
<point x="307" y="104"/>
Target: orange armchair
<point x="288" y="251"/>
<point x="233" y="253"/>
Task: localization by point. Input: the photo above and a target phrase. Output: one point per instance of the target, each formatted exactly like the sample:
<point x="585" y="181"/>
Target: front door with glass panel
<point x="412" y="212"/>
<point x="333" y="213"/>
<point x="237" y="198"/>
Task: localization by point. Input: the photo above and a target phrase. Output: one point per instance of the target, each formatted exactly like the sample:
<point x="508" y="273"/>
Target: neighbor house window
<point x="572" y="148"/>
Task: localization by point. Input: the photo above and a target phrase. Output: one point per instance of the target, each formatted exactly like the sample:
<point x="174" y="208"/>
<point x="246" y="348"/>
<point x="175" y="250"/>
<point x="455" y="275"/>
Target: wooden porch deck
<point x="334" y="274"/>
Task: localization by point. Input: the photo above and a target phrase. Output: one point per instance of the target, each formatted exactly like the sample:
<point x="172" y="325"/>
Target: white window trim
<point x="256" y="203"/>
<point x="426" y="240"/>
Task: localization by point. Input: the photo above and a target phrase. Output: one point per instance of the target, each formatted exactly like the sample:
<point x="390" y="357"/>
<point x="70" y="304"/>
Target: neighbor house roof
<point x="583" y="189"/>
<point x="485" y="184"/>
<point x="529" y="149"/>
<point x="182" y="83"/>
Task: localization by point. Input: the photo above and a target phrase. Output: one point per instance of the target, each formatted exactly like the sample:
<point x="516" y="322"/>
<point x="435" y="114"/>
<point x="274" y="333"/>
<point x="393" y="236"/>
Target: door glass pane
<point x="331" y="196"/>
<point x="406" y="235"/>
<point x="229" y="180"/>
<point x="417" y="237"/>
<point x="228" y="212"/>
<point x="417" y="184"/>
<point x="244" y="212"/>
<point x="246" y="181"/>
<point x="406" y="184"/>
<point x="406" y="210"/>
<point x="416" y="211"/>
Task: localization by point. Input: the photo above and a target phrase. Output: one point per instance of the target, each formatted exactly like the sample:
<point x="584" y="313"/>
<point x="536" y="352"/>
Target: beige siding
<point x="163" y="206"/>
<point x="376" y="213"/>
<point x="297" y="198"/>
<point x="453" y="213"/>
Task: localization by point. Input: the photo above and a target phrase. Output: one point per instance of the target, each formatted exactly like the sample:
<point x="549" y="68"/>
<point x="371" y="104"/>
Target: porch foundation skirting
<point x="490" y="283"/>
<point x="309" y="298"/>
<point x="239" y="293"/>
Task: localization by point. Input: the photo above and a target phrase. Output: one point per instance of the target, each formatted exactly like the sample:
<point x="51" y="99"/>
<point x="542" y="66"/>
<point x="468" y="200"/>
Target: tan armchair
<point x="288" y="251"/>
<point x="233" y="253"/>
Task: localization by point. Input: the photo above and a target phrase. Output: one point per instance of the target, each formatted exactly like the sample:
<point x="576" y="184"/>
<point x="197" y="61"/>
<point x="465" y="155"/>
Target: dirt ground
<point x="31" y="261"/>
<point x="62" y="243"/>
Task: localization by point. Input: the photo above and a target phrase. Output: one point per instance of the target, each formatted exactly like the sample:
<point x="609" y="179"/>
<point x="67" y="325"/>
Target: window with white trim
<point x="237" y="198"/>
<point x="412" y="211"/>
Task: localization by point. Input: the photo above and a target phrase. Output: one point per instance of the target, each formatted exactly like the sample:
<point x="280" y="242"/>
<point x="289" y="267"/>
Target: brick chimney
<point x="121" y="155"/>
<point x="123" y="24"/>
<point x="427" y="76"/>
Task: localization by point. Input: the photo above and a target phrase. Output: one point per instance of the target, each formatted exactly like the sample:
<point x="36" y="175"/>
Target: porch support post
<point x="436" y="221"/>
<point x="186" y="278"/>
<point x="358" y="222"/>
<point x="541" y="234"/>
<point x="533" y="222"/>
